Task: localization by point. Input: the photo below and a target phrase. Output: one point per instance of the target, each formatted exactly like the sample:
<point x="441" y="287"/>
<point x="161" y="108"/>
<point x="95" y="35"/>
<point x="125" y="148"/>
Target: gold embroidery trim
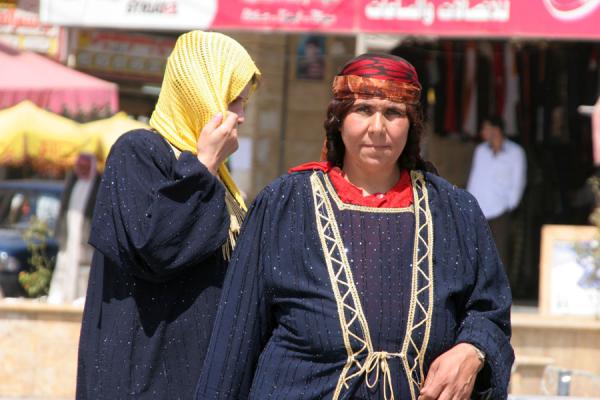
<point x="421" y="296"/>
<point x="344" y="290"/>
<point x="343" y="206"/>
<point x="347" y="298"/>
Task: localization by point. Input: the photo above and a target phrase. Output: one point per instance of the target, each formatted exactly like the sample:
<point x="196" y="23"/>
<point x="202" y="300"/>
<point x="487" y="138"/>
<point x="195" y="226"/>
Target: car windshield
<point x="19" y="206"/>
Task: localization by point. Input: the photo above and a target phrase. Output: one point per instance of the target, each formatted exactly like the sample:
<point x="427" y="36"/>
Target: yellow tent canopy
<point x="46" y="140"/>
<point x="106" y="132"/>
<point x="29" y="134"/>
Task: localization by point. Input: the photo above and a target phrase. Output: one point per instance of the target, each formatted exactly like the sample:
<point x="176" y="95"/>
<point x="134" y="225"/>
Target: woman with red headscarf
<point x="363" y="276"/>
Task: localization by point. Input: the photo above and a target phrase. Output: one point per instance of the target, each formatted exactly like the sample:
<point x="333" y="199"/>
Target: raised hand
<point x="218" y="140"/>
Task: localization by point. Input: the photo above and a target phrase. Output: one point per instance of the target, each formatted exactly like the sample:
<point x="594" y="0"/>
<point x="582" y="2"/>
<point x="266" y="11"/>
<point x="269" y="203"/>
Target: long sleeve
<point x="243" y="321"/>
<point x="519" y="178"/>
<point x="486" y="320"/>
<point x="157" y="213"/>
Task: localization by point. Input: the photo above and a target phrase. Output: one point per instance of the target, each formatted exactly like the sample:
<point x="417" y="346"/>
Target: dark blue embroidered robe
<point x="326" y="300"/>
<point x="156" y="274"/>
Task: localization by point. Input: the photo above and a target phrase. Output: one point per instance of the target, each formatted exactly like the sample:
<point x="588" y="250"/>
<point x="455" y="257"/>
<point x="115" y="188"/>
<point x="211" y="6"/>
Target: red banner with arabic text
<point x="531" y="18"/>
<point x="569" y="19"/>
<point x="286" y="15"/>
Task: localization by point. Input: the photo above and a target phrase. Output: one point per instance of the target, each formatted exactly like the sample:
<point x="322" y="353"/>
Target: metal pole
<point x="564" y="382"/>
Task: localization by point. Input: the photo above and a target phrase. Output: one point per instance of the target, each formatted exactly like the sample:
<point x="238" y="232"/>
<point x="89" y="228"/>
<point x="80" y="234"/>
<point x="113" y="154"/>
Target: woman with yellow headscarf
<point x="165" y="221"/>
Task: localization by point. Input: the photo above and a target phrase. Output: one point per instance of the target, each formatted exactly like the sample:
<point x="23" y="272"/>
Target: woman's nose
<point x="238" y="108"/>
<point x="377" y="122"/>
<point x="240" y="112"/>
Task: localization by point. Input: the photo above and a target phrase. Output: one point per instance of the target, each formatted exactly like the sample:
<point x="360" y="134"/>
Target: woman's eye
<point x="396" y="113"/>
<point x="362" y="109"/>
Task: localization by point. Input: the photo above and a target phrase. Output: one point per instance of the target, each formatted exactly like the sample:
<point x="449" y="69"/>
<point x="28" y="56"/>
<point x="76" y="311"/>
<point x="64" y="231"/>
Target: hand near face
<point x="452" y="375"/>
<point x="219" y="138"/>
<point x="218" y="141"/>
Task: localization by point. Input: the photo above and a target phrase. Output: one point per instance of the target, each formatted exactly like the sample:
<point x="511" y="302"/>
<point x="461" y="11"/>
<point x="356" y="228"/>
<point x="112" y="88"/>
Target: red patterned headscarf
<point x="378" y="75"/>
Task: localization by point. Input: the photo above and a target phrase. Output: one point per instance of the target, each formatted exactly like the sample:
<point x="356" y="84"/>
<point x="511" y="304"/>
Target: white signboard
<point x="179" y="15"/>
<point x="20" y="27"/>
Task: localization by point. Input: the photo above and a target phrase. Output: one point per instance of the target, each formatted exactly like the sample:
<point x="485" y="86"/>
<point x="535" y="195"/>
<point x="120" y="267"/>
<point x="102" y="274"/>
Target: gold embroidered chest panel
<point x="363" y="360"/>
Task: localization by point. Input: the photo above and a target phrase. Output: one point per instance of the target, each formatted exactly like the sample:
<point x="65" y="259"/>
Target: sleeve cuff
<point x="188" y="165"/>
<point x="487" y="337"/>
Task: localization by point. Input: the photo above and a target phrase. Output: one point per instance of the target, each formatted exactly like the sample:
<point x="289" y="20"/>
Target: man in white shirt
<point x="497" y="180"/>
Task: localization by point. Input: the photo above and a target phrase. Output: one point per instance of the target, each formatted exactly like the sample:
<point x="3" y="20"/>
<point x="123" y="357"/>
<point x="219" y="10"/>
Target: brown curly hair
<point x="411" y="155"/>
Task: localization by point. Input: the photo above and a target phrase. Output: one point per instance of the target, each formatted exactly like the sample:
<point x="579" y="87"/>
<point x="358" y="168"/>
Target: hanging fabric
<point x="450" y="123"/>
<point x="511" y="97"/>
<point x="469" y="100"/>
<point x="499" y="71"/>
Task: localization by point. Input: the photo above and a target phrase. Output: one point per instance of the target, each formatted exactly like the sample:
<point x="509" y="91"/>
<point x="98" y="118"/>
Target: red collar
<point x="312" y="166"/>
<point x="399" y="196"/>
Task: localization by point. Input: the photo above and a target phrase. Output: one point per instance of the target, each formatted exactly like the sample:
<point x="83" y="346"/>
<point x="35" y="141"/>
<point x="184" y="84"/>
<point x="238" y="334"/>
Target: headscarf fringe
<point x="236" y="217"/>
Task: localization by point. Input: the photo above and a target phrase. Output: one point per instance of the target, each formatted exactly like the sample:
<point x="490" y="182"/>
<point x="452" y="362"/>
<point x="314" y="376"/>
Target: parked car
<point x="20" y="201"/>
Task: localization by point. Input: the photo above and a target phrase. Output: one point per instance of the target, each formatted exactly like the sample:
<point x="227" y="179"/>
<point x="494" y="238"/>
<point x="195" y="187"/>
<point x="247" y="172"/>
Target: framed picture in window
<point x="570" y="271"/>
<point x="310" y="58"/>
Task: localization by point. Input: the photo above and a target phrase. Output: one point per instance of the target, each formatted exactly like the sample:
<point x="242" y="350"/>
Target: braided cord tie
<point x="375" y="365"/>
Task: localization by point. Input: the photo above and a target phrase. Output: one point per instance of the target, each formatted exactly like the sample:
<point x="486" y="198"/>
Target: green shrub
<point x="37" y="282"/>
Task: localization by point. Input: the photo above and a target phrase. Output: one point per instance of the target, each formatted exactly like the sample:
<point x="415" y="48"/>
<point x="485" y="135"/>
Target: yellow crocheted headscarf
<point x="205" y="73"/>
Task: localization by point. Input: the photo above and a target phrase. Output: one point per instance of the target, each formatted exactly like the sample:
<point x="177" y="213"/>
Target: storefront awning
<point x="52" y="86"/>
<point x="29" y="134"/>
<point x="558" y="19"/>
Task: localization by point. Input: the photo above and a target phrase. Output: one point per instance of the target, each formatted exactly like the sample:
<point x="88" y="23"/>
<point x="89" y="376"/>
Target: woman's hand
<point x="218" y="141"/>
<point x="452" y="375"/>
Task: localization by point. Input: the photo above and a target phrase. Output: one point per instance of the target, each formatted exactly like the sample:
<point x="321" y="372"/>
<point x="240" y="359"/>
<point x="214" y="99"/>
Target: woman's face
<point x="374" y="134"/>
<point x="238" y="105"/>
